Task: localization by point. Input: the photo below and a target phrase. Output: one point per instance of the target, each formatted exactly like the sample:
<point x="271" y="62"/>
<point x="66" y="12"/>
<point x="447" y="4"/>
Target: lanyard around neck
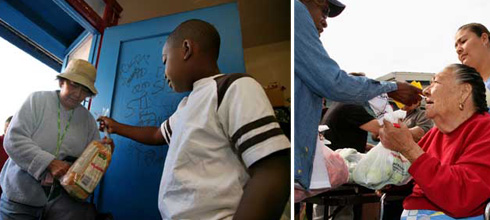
<point x="61" y="136"/>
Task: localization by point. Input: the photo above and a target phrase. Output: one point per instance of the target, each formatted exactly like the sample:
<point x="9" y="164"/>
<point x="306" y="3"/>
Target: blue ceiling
<point x="49" y="16"/>
<point x="42" y="23"/>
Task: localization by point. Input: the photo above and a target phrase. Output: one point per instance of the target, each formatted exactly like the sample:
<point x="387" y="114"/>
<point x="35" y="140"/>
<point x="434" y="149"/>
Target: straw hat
<point x="81" y="72"/>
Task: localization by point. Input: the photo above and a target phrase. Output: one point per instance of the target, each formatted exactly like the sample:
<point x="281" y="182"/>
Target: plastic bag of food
<point x="381" y="167"/>
<point x="87" y="171"/>
<point x="351" y="158"/>
<point x="338" y="172"/>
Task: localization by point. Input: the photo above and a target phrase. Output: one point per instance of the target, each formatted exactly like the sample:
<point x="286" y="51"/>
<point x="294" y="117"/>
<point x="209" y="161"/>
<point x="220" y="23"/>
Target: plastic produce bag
<point x="351" y="158"/>
<point x="380" y="167"/>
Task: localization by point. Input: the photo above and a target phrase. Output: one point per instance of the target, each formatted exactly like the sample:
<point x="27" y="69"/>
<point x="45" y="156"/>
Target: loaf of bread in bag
<point x="87" y="171"/>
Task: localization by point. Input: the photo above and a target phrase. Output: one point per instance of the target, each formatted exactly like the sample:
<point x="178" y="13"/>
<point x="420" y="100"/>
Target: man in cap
<point x="316" y="75"/>
<point x="49" y="126"/>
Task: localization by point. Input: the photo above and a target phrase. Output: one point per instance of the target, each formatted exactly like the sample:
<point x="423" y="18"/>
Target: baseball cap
<point x="336" y="8"/>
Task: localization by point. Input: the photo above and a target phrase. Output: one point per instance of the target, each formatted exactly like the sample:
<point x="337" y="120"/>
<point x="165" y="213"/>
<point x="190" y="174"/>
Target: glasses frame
<point x="75" y="86"/>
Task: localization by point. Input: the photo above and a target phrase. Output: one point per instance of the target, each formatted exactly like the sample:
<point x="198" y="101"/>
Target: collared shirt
<point x="223" y="127"/>
<point x="316" y="75"/>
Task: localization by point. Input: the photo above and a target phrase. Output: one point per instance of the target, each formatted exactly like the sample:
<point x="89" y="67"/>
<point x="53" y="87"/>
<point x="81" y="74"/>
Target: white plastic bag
<point x="380" y="167"/>
<point x="351" y="158"/>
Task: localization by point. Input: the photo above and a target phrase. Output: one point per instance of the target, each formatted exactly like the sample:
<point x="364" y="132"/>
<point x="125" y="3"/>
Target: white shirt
<point x="224" y="126"/>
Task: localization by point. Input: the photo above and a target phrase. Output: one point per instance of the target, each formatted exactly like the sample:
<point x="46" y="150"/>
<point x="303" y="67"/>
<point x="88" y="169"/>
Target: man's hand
<point x="109" y="123"/>
<point x="58" y="168"/>
<point x="406" y="93"/>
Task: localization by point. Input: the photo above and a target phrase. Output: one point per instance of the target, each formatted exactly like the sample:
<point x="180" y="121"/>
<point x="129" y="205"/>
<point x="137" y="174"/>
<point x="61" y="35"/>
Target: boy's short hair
<point x="204" y="33"/>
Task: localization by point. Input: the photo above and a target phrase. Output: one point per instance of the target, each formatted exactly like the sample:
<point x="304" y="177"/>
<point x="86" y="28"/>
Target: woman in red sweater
<point x="451" y="163"/>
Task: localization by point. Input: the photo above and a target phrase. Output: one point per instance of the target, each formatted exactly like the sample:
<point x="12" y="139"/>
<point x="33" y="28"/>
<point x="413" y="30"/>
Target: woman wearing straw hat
<point x="50" y="126"/>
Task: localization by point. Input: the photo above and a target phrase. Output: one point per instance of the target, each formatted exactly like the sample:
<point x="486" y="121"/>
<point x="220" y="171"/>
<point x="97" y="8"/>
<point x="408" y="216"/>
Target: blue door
<point x="130" y="80"/>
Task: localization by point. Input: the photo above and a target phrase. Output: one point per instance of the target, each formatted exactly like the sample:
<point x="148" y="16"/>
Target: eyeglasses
<point x="76" y="86"/>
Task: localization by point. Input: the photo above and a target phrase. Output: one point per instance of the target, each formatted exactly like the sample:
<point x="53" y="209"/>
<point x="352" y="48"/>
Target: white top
<point x="224" y="126"/>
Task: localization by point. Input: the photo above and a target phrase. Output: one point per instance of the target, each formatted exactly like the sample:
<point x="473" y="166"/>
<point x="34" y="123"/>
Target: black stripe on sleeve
<point x="165" y="132"/>
<point x="252" y="125"/>
<point x="223" y="83"/>
<point x="168" y="128"/>
<point x="259" y="138"/>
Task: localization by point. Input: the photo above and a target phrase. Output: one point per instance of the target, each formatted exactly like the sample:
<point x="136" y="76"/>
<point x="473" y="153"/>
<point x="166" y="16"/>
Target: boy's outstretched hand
<point x="109" y="123"/>
<point x="149" y="135"/>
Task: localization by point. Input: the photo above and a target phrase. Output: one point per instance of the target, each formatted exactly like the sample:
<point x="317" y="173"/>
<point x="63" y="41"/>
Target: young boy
<point x="227" y="156"/>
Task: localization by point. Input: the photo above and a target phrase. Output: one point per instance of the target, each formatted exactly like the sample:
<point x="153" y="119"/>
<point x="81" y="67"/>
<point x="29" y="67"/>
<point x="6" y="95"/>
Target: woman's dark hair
<point x="8" y="119"/>
<point x="476" y="28"/>
<point x="466" y="74"/>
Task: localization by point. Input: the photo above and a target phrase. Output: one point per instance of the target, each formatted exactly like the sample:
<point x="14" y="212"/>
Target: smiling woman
<point x="455" y="153"/>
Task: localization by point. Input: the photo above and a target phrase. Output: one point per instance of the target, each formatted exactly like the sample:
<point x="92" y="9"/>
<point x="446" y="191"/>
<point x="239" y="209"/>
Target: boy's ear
<point x="188" y="48"/>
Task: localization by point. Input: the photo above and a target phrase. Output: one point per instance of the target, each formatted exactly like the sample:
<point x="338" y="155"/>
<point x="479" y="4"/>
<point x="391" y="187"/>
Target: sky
<point x="382" y="36"/>
<point x="21" y="74"/>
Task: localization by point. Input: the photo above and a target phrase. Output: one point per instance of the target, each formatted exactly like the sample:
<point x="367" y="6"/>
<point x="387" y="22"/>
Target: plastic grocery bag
<point x="380" y="167"/>
<point x="337" y="170"/>
<point x="351" y="158"/>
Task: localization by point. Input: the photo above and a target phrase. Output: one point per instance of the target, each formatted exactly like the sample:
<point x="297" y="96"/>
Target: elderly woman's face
<point x="441" y="96"/>
<point x="72" y="93"/>
<point x="470" y="47"/>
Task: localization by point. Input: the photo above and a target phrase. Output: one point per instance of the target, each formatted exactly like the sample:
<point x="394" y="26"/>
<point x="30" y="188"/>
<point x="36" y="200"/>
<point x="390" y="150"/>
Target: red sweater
<point x="3" y="156"/>
<point x="453" y="176"/>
